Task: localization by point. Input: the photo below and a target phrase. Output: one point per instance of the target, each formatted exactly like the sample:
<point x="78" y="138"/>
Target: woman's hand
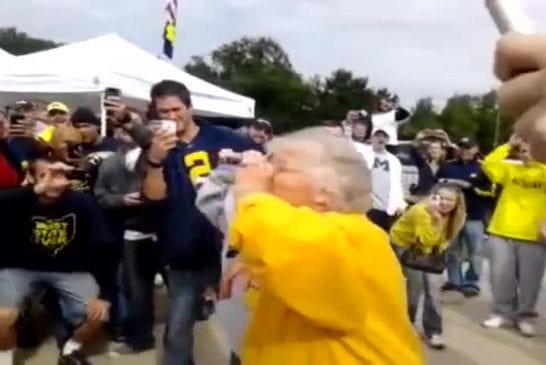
<point x="433" y="207"/>
<point x="234" y="271"/>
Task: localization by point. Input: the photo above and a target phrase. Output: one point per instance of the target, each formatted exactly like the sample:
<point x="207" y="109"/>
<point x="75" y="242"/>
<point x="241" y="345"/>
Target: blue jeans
<point x="141" y="262"/>
<point x="472" y="236"/>
<point x="186" y="290"/>
<point x="73" y="290"/>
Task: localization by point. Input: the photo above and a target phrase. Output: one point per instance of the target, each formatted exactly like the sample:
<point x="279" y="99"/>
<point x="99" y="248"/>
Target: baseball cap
<point x="262" y="124"/>
<point x="381" y="131"/>
<point x="84" y="116"/>
<point x="467" y="143"/>
<point x="57" y="105"/>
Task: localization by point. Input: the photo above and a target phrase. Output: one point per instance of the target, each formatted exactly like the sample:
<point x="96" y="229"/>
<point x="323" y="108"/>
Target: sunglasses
<point x="56" y="112"/>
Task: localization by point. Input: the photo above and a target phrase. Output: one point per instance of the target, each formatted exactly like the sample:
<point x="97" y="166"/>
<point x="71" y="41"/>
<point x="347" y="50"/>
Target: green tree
<point x="339" y="92"/>
<point x="19" y="43"/>
<point x="261" y="69"/>
<point x="458" y="116"/>
<point x="423" y="116"/>
<point x="199" y="67"/>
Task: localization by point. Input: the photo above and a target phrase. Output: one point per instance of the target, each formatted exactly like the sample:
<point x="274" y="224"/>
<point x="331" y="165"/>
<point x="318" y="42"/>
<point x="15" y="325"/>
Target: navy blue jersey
<point x="191" y="241"/>
<point x="57" y="237"/>
<point x="200" y="156"/>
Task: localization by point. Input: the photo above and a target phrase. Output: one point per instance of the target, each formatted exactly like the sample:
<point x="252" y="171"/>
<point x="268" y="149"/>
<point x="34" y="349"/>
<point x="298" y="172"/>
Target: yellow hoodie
<point x="415" y="227"/>
<point x="331" y="289"/>
<point x="521" y="208"/>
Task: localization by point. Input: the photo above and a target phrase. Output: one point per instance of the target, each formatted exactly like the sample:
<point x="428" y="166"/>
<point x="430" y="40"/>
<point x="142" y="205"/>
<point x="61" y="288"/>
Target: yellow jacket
<point x="331" y="289"/>
<point x="415" y="227"/>
<point x="521" y="208"/>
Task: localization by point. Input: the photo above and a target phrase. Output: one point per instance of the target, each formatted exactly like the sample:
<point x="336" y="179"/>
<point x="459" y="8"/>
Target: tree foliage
<point x="19" y="43"/>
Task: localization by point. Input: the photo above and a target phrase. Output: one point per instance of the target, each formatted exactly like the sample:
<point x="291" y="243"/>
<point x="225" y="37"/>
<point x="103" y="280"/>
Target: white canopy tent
<point x="5" y="55"/>
<point x="78" y="73"/>
<point x="6" y="58"/>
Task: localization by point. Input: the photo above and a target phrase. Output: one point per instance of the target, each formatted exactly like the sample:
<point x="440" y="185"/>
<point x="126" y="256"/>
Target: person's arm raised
<point x="494" y="165"/>
<point x="154" y="186"/>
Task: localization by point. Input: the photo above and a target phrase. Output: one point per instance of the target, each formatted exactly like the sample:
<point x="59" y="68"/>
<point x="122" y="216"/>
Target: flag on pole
<point x="169" y="31"/>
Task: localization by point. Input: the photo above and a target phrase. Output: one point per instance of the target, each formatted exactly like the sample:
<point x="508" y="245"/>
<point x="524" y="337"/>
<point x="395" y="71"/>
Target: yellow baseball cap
<point x="57" y="105"/>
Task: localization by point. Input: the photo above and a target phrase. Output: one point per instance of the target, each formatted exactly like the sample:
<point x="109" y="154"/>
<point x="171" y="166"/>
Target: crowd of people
<point x="330" y="235"/>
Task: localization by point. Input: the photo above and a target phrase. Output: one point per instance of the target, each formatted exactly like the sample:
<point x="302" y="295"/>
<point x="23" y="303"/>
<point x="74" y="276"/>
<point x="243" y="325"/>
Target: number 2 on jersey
<point x="198" y="164"/>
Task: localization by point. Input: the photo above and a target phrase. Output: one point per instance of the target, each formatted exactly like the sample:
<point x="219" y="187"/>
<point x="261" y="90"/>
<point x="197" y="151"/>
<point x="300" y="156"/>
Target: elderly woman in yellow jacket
<point x="428" y="228"/>
<point x="330" y="288"/>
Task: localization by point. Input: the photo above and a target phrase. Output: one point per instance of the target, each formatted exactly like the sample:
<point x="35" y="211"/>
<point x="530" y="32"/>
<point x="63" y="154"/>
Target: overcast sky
<point x="414" y="47"/>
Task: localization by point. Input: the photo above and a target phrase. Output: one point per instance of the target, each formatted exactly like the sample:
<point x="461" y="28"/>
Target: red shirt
<point x="9" y="176"/>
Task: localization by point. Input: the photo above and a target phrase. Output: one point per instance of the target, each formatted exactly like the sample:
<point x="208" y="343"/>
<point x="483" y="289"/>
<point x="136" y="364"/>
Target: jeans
<point x="185" y="296"/>
<point x="472" y="236"/>
<point x="73" y="290"/>
<point x="419" y="282"/>
<point x="141" y="262"/>
<point x="517" y="271"/>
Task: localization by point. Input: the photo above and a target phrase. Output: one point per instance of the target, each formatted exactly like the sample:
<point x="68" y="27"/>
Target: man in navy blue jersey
<point x="177" y="160"/>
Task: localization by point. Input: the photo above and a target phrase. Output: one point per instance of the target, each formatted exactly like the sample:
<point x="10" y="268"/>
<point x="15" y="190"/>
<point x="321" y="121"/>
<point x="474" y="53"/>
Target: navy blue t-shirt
<point x="470" y="172"/>
<point x="191" y="241"/>
<point x="60" y="237"/>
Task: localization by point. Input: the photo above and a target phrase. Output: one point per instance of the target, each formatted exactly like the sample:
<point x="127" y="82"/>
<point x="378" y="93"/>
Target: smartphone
<point x="16" y="119"/>
<point x="111" y="92"/>
<point x="77" y="174"/>
<point x="168" y="126"/>
<point x="509" y="16"/>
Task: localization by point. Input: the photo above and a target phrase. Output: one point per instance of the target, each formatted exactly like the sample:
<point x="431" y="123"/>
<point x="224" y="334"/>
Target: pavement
<point x="468" y="343"/>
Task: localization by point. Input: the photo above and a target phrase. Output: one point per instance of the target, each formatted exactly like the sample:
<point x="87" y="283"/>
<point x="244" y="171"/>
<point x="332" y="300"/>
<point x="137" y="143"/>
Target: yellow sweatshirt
<point x="416" y="227"/>
<point x="331" y="289"/>
<point x="521" y="208"/>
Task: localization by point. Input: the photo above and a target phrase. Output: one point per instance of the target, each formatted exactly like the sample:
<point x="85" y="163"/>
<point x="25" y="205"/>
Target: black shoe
<point x="470" y="291"/>
<point x="449" y="287"/>
<point x="75" y="358"/>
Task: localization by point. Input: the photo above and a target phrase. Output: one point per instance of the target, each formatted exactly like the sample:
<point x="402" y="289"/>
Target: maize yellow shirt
<point x="331" y="290"/>
<point x="415" y="227"/>
<point x="521" y="208"/>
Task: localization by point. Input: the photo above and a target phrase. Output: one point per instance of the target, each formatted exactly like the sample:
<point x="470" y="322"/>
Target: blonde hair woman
<point x="330" y="288"/>
<point x="427" y="229"/>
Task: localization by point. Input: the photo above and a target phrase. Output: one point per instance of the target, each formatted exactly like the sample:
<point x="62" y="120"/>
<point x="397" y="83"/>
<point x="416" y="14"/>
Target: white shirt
<point x="396" y="194"/>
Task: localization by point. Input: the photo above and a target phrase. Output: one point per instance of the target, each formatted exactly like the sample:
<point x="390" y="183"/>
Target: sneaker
<point x="75" y="358"/>
<point x="449" y="287"/>
<point x="121" y="349"/>
<point x="158" y="281"/>
<point x="527" y="329"/>
<point x="124" y="349"/>
<point x="436" y="342"/>
<point x="495" y="321"/>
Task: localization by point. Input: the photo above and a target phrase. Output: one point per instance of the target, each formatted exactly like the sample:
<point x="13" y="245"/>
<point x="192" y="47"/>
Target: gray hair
<point x="340" y="166"/>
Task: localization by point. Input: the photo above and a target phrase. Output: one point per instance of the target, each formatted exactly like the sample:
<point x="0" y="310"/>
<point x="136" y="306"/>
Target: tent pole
<point x="102" y="116"/>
